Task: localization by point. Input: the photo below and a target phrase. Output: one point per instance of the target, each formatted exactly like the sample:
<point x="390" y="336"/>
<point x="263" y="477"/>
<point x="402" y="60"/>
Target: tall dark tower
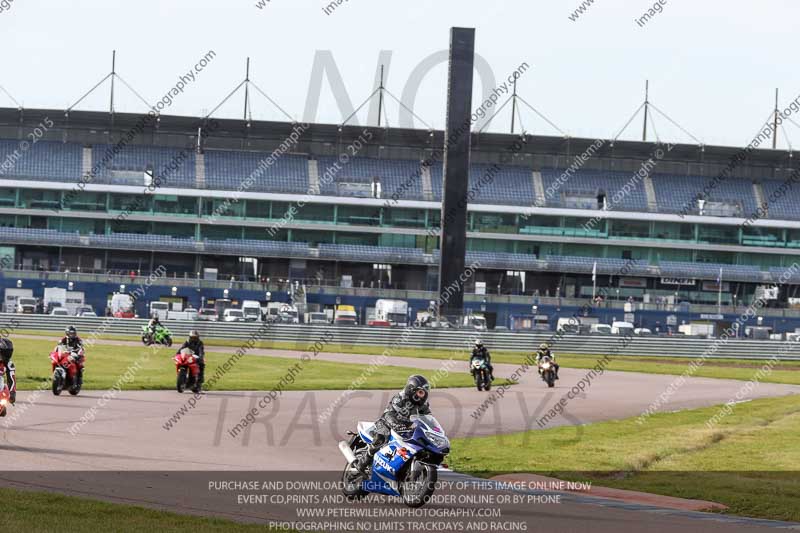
<point x="456" y="170"/>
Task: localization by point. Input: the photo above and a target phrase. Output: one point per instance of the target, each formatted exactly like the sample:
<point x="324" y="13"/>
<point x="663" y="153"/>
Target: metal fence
<point x="303" y="336"/>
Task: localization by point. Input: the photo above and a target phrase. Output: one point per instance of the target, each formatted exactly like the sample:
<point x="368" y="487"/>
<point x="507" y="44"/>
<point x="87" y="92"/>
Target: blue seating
<point x="677" y="194"/>
<point x="587" y="185"/>
<point x="45" y="160"/>
<point x="175" y="167"/>
<point x="256" y="172"/>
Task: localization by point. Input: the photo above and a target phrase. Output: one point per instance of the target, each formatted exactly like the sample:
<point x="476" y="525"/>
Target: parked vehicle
<point x="26" y="305"/>
<point x="379" y="323"/>
<point x="600" y="329"/>
<point x="12" y="296"/>
<point x="251" y="310"/>
<point x="642" y="332"/>
<point x="316" y="318"/>
<point x="188" y="371"/>
<point x="208" y="314"/>
<point x="395" y="312"/>
<point x="569" y="325"/>
<point x="407" y="466"/>
<point x="159" y="309"/>
<point x="233" y="315"/>
<point x="122" y="305"/>
<point x="60" y="311"/>
<point x="84" y="309"/>
<point x="65" y="370"/>
<point x="88" y="314"/>
<point x="476" y="322"/>
<point x="345" y="316"/>
<point x="624" y="329"/>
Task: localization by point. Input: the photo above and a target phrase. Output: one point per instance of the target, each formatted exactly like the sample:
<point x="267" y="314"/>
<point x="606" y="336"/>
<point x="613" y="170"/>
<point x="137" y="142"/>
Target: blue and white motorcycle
<point x="407" y="466"/>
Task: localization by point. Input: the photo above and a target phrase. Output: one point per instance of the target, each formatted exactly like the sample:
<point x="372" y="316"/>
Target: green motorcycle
<point x="162" y="336"/>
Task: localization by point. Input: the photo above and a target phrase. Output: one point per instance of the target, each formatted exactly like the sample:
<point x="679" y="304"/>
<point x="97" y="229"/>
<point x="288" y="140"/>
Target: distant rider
<point x="6" y="351"/>
<point x="153" y="325"/>
<point x="544" y="351"/>
<point x="480" y="352"/>
<point x="412" y="400"/>
<point x="74" y="344"/>
<point x="194" y="344"/>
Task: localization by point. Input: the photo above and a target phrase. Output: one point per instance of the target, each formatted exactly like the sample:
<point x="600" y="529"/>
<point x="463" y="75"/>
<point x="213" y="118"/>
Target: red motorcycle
<point x="188" y="371"/>
<point x="66" y="370"/>
<point x="5" y="394"/>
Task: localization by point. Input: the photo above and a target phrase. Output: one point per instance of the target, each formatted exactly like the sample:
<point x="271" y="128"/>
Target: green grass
<point x="105" y="365"/>
<point x="787" y="372"/>
<point x="40" y="512"/>
<point x="750" y="461"/>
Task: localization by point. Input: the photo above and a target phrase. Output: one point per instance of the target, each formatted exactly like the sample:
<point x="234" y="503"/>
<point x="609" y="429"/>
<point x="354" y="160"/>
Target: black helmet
<point x="417" y="389"/>
<point x="193" y="334"/>
<point x="6" y="349"/>
<point x="71" y="332"/>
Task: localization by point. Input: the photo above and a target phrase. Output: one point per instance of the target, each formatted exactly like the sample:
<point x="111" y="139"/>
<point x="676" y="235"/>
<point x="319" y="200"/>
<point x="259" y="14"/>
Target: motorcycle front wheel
<point x="352" y="481"/>
<point x="58" y="384"/>
<point x="181" y="383"/>
<point x="419" y="484"/>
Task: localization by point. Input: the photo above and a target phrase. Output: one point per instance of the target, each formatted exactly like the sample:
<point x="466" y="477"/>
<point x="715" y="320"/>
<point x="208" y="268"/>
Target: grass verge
<point x="44" y="512"/>
<point x="750" y="461"/>
<point x="154" y="369"/>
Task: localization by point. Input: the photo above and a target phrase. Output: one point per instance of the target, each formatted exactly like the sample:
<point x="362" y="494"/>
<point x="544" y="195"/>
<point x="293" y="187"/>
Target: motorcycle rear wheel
<point x="168" y="341"/>
<point x="181" y="383"/>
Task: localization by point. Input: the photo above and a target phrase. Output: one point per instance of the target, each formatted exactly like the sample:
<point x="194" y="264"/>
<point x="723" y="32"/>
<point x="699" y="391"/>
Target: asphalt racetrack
<point x="135" y="450"/>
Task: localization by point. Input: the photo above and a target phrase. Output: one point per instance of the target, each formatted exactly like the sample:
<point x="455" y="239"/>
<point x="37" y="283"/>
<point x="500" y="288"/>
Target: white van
<point x="600" y="329"/>
<point x="159" y="309"/>
<point x="624" y="329"/>
<point x="233" y="315"/>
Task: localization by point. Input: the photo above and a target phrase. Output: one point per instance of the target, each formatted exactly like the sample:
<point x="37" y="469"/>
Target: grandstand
<point x="310" y="211"/>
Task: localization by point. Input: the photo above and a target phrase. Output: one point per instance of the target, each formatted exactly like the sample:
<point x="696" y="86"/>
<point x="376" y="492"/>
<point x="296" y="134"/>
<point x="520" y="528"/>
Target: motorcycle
<point x="407" y="466"/>
<point x="66" y="373"/>
<point x="162" y="336"/>
<point x="547" y="370"/>
<point x="188" y="371"/>
<point x="5" y="394"/>
<point x="480" y="371"/>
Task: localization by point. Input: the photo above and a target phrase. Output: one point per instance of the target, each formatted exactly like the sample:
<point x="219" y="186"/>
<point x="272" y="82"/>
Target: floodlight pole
<point x="514" y="106"/>
<point x="646" y="107"/>
<point x="113" y="75"/>
<point x="380" y="98"/>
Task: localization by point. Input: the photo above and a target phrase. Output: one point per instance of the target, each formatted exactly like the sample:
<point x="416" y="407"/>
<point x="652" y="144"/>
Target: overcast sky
<point x="713" y="65"/>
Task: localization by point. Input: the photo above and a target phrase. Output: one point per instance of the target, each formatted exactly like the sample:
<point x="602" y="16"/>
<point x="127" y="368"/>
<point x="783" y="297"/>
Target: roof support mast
<point x="113" y="75"/>
<point x="514" y="106"/>
<point x="646" y="108"/>
<point x="775" y="123"/>
<point x="380" y="98"/>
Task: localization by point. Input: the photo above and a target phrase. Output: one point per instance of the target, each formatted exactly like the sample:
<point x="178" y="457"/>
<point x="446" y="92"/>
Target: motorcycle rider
<point x="74" y="344"/>
<point x="194" y="344"/>
<point x="412" y="400"/>
<point x="480" y="352"/>
<point x="6" y="351"/>
<point x="153" y="325"/>
<point x="544" y="351"/>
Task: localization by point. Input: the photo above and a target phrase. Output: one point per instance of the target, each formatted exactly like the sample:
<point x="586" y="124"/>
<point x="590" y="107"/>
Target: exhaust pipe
<point x="347" y="452"/>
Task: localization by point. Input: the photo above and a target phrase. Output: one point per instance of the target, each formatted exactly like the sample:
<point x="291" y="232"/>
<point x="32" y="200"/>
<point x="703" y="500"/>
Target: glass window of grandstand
<point x="718" y="234"/>
<point x="493" y="222"/>
<point x="710" y="256"/>
<point x="634" y="229"/>
<point x="314" y="213"/>
<point x="131" y="203"/>
<point x="272" y="233"/>
<point x="175" y="205"/>
<point x="220" y="233"/>
<point x="758" y="236"/>
<point x="257" y="208"/>
<point x="130" y="226"/>
<point x="8" y="197"/>
<point x="490" y="245"/>
<point x="407" y="218"/>
<point x="358" y="215"/>
<point x="673" y="231"/>
<point x="543" y="225"/>
<point x="8" y="221"/>
<point x="397" y="240"/>
<point x="363" y="239"/>
<point x="574" y="226"/>
<point x="40" y="199"/>
<point x="85" y="201"/>
<point x="174" y="230"/>
<point x="313" y="238"/>
<point x="222" y="207"/>
<point x="78" y="225"/>
<point x="793" y="238"/>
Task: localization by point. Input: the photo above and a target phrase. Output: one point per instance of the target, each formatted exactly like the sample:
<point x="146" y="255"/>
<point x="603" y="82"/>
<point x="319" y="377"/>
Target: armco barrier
<point x="302" y="336"/>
